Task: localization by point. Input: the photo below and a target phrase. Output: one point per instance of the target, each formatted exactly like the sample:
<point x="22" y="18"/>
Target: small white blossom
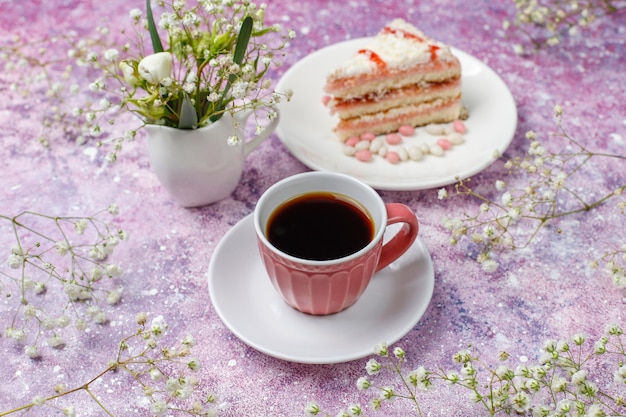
<point x="114" y="297"/>
<point x="507" y="198"/>
<point x="111" y="55"/>
<point x="233" y="140"/>
<point x="15" y="261"/>
<point x="80" y="226"/>
<point x="442" y="194"/>
<point x="69" y="411"/>
<point x="56" y="341"/>
<point x="312" y="409"/>
<point x="373" y="367"/>
<point x="363" y="383"/>
<point x="32" y="352"/>
<point x="158" y="408"/>
<point x="159" y="326"/>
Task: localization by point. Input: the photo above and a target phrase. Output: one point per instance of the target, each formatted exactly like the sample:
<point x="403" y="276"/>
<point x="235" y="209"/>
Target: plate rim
<point x="388" y="184"/>
<point x="247" y="221"/>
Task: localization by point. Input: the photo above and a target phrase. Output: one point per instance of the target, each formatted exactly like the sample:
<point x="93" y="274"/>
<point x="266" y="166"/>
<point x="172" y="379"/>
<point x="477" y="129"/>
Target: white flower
<point x="507" y="198"/>
<point x="442" y="194"/>
<point x="579" y="377"/>
<point x="419" y="378"/>
<point x="312" y="409"/>
<point x="38" y="400"/>
<point x="373" y="367"/>
<point x="381" y="349"/>
<point x="56" y="341"/>
<point x="154" y="68"/>
<point x="15" y="261"/>
<point x="111" y="54"/>
<point x="489" y="265"/>
<point x="62" y="247"/>
<point x="113" y="270"/>
<point x="159" y="326"/>
<point x="233" y="140"/>
<point x="239" y="89"/>
<point x="135" y="14"/>
<point x="620" y="375"/>
<point x="194" y="364"/>
<point x="31" y="352"/>
<point x="80" y="226"/>
<point x="114" y="297"/>
<point x="158" y="408"/>
<point x="363" y="383"/>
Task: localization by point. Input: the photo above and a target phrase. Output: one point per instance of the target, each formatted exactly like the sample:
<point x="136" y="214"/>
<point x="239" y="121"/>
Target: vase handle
<point x="249" y="145"/>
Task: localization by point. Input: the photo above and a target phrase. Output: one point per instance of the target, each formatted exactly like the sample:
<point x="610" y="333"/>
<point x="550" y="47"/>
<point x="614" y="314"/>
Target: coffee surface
<point x="320" y="226"/>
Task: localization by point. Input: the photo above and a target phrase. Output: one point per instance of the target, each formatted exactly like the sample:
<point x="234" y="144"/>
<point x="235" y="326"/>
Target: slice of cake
<point x="401" y="77"/>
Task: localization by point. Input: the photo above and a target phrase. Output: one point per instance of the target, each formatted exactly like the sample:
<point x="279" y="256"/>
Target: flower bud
<point x="154" y="68"/>
<point x="128" y="71"/>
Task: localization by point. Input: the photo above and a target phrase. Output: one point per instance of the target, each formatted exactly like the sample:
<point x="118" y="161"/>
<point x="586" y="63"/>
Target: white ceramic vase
<point x="198" y="166"/>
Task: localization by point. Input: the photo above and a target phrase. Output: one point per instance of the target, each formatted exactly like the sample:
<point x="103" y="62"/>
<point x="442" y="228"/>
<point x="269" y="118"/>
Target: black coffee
<point x="320" y="226"/>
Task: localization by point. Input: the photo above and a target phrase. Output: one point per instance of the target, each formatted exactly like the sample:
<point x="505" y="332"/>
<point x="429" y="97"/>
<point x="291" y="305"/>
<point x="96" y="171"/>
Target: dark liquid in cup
<point x="320" y="226"/>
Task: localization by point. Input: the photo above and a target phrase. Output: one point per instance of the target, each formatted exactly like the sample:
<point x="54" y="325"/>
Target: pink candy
<point x="459" y="126"/>
<point x="393" y="139"/>
<point x="445" y="144"/>
<point x="406" y="130"/>
<point x="352" y="141"/>
<point x="363" y="155"/>
<point x="392" y="157"/>
<point x="325" y="100"/>
<point x="368" y="136"/>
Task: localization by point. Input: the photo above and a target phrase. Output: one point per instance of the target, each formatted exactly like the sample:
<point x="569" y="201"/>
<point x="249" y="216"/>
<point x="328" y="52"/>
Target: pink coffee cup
<point x="321" y="287"/>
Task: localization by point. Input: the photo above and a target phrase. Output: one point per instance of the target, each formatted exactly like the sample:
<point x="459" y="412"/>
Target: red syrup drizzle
<point x="382" y="65"/>
<point x="375" y="58"/>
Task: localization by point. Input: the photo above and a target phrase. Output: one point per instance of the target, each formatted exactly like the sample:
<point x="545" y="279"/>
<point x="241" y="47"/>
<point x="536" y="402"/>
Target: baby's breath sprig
<point x="215" y="58"/>
<point x="391" y="361"/>
<point x="545" y="22"/>
<point x="541" y="200"/>
<point x="32" y="75"/>
<point x="563" y="382"/>
<point x="614" y="263"/>
<point x="61" y="256"/>
<point x="164" y="374"/>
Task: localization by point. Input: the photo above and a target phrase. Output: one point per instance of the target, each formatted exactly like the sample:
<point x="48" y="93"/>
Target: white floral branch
<point x="512" y="220"/>
<point x="66" y="256"/>
<point x="164" y="373"/>
<point x="544" y="23"/>
<point x="562" y="383"/>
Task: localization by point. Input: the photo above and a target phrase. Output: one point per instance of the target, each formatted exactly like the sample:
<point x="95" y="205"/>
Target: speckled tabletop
<point x="544" y="291"/>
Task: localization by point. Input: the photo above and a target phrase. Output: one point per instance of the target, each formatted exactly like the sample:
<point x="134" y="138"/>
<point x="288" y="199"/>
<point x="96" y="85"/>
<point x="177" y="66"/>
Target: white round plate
<point x="247" y="303"/>
<point x="306" y="126"/>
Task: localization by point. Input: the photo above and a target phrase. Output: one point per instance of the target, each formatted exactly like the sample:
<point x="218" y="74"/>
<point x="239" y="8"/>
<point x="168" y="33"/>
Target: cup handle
<point x="401" y="241"/>
<point x="269" y="129"/>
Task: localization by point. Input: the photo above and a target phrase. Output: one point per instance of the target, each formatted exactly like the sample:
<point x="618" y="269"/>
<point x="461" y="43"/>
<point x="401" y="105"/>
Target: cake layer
<point x="406" y="96"/>
<point x="363" y="84"/>
<point x="437" y="111"/>
<point x="398" y="56"/>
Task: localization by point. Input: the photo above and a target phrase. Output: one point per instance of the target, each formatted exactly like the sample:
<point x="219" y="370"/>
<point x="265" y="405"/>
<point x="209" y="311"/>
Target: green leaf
<point x="188" y="117"/>
<point x="243" y="39"/>
<point x="154" y="35"/>
<point x="240" y="53"/>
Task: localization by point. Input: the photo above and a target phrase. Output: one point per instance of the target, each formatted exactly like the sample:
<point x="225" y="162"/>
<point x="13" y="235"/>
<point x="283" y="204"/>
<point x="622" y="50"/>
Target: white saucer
<point x="306" y="125"/>
<point x="247" y="303"/>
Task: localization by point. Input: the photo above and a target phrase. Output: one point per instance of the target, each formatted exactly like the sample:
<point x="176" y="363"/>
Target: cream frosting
<point x="399" y="45"/>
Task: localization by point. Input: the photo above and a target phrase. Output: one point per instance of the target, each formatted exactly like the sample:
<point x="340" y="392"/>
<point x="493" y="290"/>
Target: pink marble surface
<point x="546" y="291"/>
